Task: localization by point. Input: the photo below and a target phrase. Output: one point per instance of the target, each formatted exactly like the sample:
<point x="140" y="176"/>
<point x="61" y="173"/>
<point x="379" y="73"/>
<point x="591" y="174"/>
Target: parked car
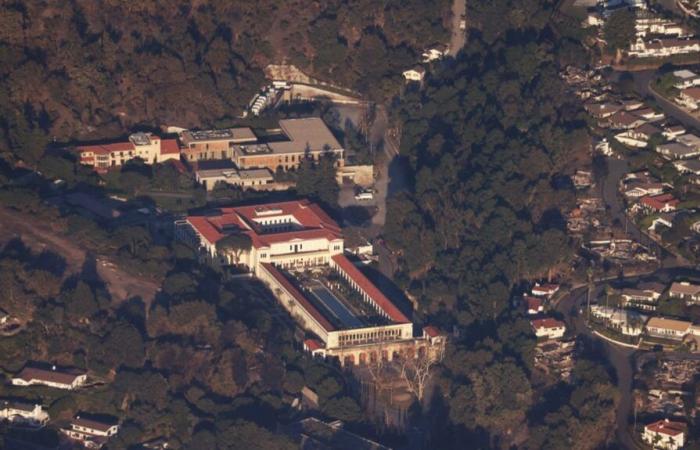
<point x="364" y="195"/>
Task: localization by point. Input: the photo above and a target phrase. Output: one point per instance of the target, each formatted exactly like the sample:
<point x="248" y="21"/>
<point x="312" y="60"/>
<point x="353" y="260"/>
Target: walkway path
<point x="458" y="36"/>
<point x="40" y="236"/>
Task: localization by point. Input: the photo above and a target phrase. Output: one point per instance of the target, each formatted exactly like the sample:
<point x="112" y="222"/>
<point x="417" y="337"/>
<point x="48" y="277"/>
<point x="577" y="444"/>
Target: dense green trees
<point x="619" y="29"/>
<point x="316" y="180"/>
<point x="107" y="68"/>
<point x="484" y="142"/>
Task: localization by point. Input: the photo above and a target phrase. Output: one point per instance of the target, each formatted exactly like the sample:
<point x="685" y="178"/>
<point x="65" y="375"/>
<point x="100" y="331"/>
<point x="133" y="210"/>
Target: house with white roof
<point x="625" y="321"/>
<point x="91" y="432"/>
<point x="416" y="74"/>
<point x="677" y="150"/>
<point x="662" y="327"/>
<point x="23" y="413"/>
<point x="691" y="166"/>
<point x="644" y="299"/>
<point x="686" y="291"/>
<point x="686" y="79"/>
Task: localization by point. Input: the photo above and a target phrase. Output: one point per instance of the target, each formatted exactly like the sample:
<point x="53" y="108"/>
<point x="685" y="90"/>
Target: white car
<point x="364" y="195"/>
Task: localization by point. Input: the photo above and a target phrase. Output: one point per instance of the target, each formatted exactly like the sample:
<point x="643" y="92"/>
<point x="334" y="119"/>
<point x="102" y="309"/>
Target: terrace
<point x="341" y="304"/>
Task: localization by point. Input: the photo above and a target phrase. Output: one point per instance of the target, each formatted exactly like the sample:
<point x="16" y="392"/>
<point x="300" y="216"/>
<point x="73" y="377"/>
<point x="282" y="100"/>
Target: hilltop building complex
<point x="298" y="251"/>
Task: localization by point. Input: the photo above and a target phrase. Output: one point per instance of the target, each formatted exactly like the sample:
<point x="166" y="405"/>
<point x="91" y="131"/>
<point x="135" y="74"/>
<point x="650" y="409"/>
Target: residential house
<point x="663" y="47"/>
<point x="649" y="114"/>
<point x="669" y="328"/>
<point x="416" y="74"/>
<point x="690" y="98"/>
<point x="53" y="377"/>
<point x="632" y="105"/>
<point x="630" y="323"/>
<point x="623" y="120"/>
<point x="686" y="291"/>
<point x="691" y="166"/>
<point x="665" y="220"/>
<point x="548" y="327"/>
<point x="689" y="139"/>
<point x="23" y="413"/>
<point x="544" y="290"/>
<point x="91" y="432"/>
<point x="658" y="26"/>
<point x="534" y="305"/>
<point x="686" y="79"/>
<point x="603" y="147"/>
<point x="638" y="189"/>
<point x="665" y="434"/>
<point x="602" y="110"/>
<point x="672" y="132"/>
<point x="638" y="137"/>
<point x="434" y="53"/>
<point x="644" y="299"/>
<point x="659" y="203"/>
<point x="676" y="150"/>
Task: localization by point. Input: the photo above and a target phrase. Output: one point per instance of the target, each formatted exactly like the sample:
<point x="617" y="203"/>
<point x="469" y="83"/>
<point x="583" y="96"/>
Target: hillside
<point x="85" y="70"/>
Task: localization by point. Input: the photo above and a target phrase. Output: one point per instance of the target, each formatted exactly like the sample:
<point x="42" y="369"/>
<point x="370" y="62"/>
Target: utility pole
<point x="589" y="272"/>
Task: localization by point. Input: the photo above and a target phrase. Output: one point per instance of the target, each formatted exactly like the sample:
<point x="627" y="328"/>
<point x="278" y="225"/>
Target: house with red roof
<point x="147" y="146"/>
<point x="665" y="434"/>
<point x="548" y="327"/>
<point x="533" y="305"/>
<point x="659" y="203"/>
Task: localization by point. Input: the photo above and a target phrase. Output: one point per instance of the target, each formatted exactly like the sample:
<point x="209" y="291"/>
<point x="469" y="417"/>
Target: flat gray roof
<point x="226" y="134"/>
<point x="311" y="133"/>
<point x="235" y="173"/>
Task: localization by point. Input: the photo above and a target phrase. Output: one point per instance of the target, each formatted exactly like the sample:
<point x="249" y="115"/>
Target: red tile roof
<point x="533" y="303"/>
<point x="659" y="202"/>
<point x="370" y="289"/>
<point x="312" y="345"/>
<point x="431" y="331"/>
<point x="667" y="427"/>
<point x="298" y="296"/>
<point x="105" y="149"/>
<point x="169" y="146"/>
<point x="316" y="223"/>
<point x="547" y="322"/>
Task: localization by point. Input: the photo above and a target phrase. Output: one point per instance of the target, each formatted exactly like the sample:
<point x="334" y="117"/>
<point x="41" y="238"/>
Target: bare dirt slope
<point x="40" y="236"/>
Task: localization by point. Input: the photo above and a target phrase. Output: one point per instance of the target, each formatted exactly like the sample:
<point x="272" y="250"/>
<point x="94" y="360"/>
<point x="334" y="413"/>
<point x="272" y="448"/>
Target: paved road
<point x="621" y="358"/>
<point x="458" y="37"/>
<point x="642" y="84"/>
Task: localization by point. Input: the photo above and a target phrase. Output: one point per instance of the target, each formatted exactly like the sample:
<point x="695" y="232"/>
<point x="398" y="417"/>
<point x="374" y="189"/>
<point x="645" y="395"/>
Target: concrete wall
<point x="360" y="175"/>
